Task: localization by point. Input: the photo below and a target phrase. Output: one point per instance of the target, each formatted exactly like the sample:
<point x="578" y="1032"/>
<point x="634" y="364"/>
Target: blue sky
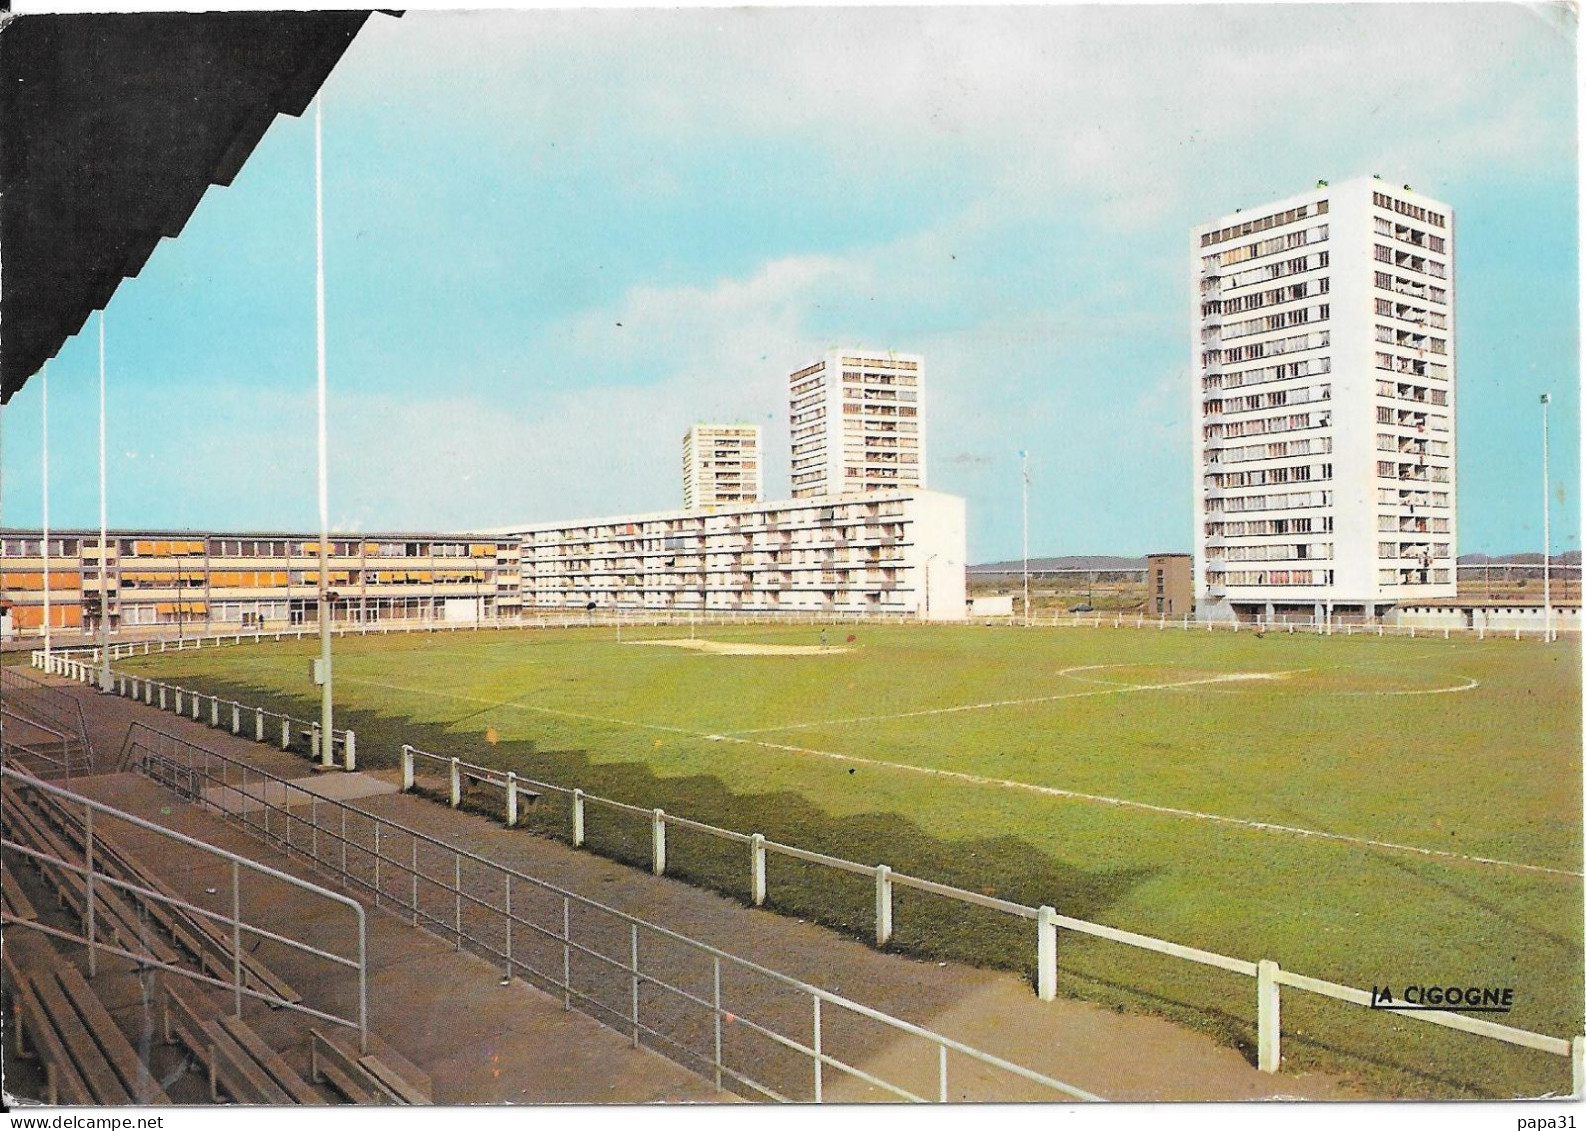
<point x="556" y="238"/>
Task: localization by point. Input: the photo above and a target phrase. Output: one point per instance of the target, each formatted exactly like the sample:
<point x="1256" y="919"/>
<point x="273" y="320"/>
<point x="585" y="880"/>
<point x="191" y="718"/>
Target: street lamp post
<point x="104" y="528"/>
<point x="326" y="757"/>
<point x="1547" y="541"/>
<point x="44" y="543"/>
<point x="1024" y="470"/>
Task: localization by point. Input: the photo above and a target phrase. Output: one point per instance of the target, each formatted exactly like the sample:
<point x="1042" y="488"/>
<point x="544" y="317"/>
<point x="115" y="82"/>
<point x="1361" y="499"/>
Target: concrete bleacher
<point x="58" y="1018"/>
<point x="430" y="1009"/>
<point x="82" y="1054"/>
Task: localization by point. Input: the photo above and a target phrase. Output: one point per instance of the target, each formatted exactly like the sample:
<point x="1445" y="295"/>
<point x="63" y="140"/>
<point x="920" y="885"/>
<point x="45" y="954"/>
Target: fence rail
<point x="590" y="953"/>
<point x="1269" y="975"/>
<point x="1305" y="626"/>
<point x="39" y="703"/>
<point x="94" y="876"/>
<point x="50" y="757"/>
<point x="258" y="723"/>
<point x="644" y="618"/>
<point x="1047" y="920"/>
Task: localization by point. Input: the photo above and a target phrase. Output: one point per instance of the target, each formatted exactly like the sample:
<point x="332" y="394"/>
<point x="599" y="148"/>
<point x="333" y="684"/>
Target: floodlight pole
<point x="44" y="544"/>
<point x="1024" y="468"/>
<point x="104" y="528"/>
<point x="325" y="716"/>
<point x="1547" y="541"/>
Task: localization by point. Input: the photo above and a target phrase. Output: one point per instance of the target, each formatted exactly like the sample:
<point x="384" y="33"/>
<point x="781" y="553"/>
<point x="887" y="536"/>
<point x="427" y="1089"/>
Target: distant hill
<point x="1568" y="557"/>
<point x="1113" y="561"/>
<point x="1074" y="561"/>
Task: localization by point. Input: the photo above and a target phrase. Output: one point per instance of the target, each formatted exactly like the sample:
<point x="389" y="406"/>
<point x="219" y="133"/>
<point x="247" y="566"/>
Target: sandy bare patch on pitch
<point x="721" y="648"/>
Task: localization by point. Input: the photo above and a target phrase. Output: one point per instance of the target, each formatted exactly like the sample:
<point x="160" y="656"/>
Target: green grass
<point x="1320" y="743"/>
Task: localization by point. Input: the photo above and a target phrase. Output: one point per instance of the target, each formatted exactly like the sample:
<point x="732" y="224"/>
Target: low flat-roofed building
<point x="221" y="580"/>
<point x="898" y="552"/>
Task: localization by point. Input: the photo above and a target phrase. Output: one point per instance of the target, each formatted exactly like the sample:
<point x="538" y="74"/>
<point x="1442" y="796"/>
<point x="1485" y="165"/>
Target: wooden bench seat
<point x="244" y="1077"/>
<point x="13" y="898"/>
<point x="134" y="1074"/>
<point x="379" y="1077"/>
<point x="112" y="913"/>
<point x="207" y="941"/>
<point x="271" y="1061"/>
<point x="87" y="1059"/>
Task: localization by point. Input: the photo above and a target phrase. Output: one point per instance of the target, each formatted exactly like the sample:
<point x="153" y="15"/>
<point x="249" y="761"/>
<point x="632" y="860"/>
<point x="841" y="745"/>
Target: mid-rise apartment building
<point x="721" y="466"/>
<point x="1324" y="404"/>
<point x="857" y="423"/>
<point x="896" y="552"/>
<point x="178" y="579"/>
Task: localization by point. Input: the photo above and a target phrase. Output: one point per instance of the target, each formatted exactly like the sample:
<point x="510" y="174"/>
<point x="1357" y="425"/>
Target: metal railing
<point x="1269" y="976"/>
<point x="1047" y="920"/>
<point x="40" y="703"/>
<point x="736" y="1021"/>
<point x="1306" y="627"/>
<point x="95" y="876"/>
<point x="548" y="618"/>
<point x="54" y="756"/>
<point x="258" y="723"/>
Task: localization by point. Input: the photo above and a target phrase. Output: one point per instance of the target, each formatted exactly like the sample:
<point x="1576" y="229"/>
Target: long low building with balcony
<point x="207" y="581"/>
<point x="898" y="552"/>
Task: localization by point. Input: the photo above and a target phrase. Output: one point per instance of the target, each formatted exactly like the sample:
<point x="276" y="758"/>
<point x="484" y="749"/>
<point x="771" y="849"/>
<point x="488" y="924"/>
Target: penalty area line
<point x="997" y="783"/>
<point x="1111" y="689"/>
<point x="1166" y="810"/>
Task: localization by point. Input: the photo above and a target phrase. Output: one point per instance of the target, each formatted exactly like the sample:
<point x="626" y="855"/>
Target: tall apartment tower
<point x="1322" y="347"/>
<point x="721" y="466"/>
<point x="857" y="419"/>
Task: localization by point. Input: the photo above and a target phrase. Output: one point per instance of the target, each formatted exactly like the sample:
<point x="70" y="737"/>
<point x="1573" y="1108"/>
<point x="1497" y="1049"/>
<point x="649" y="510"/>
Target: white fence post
<point x="512" y="800"/>
<point x="236" y="718"/>
<point x="757" y="869"/>
<point x="407" y="768"/>
<point x="286" y="733"/>
<point x="313" y="744"/>
<point x="658" y="842"/>
<point x="349" y="747"/>
<point x="195" y="697"/>
<point x="1268" y="1049"/>
<point x="1577" y="1063"/>
<point x="1046" y="953"/>
<point x="214" y="710"/>
<point x="178" y="709"/>
<point x="162" y="696"/>
<point x="457" y="783"/>
<point x="883" y="904"/>
<point x="258" y="724"/>
<point x="578" y="818"/>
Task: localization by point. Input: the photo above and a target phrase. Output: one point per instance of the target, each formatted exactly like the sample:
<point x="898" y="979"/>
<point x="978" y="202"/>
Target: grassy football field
<point x="1173" y="783"/>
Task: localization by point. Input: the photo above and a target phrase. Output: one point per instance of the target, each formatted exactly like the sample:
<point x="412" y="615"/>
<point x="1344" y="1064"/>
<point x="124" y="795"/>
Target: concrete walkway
<point x="480" y="1042"/>
<point x="1117" y="1056"/>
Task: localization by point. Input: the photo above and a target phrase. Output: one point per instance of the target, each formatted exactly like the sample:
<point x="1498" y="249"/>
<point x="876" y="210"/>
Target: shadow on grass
<point x="925" y="925"/>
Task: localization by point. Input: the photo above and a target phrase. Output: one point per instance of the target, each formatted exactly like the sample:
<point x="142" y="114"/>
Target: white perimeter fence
<point x="1268" y="974"/>
<point x="1270" y="977"/>
<point x="730" y="1018"/>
